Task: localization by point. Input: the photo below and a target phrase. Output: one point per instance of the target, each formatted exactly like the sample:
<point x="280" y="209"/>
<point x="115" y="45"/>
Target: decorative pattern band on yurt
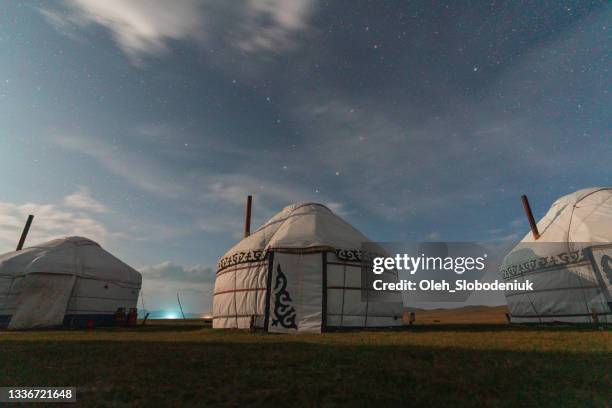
<point x="299" y="272"/>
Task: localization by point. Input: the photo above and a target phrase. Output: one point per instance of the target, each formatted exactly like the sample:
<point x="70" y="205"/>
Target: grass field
<point x="183" y="363"/>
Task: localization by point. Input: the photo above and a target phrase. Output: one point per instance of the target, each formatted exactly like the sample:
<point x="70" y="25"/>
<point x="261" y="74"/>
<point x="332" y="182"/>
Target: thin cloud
<point x="146" y="28"/>
<point x="170" y="271"/>
<point x="220" y="195"/>
<point x="459" y="156"/>
<point x="82" y="200"/>
<point x="50" y="222"/>
<point x="136" y="169"/>
<point x="140" y="28"/>
<point x="272" y="25"/>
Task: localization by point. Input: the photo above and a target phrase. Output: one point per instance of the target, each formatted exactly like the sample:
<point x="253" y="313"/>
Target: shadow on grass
<point x="155" y="327"/>
<point x="307" y="373"/>
<point x="195" y="325"/>
<point x="148" y="328"/>
<point x="418" y="328"/>
<point x="505" y="327"/>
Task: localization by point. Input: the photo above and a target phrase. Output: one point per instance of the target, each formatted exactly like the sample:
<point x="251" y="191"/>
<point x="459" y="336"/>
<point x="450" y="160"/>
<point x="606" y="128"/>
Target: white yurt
<point x="70" y="281"/>
<point x="299" y="272"/>
<point x="570" y="264"/>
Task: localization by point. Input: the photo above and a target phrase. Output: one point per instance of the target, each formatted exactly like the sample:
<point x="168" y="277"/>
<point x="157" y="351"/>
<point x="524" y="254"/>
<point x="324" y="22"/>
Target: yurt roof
<point x="573" y="222"/>
<point x="301" y="227"/>
<point x="582" y="216"/>
<point x="69" y="255"/>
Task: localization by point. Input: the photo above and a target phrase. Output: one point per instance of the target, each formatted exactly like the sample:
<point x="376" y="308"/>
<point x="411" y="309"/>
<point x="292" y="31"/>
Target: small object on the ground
<point x="120" y="317"/>
<point x="180" y="306"/>
<point x="132" y="316"/>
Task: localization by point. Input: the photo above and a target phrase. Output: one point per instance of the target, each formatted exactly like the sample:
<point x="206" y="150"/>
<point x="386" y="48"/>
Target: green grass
<point x="188" y="365"/>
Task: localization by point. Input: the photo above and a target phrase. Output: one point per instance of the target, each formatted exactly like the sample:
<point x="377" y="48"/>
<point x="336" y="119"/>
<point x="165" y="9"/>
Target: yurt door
<point x="602" y="264"/>
<point x="295" y="293"/>
<point x="43" y="301"/>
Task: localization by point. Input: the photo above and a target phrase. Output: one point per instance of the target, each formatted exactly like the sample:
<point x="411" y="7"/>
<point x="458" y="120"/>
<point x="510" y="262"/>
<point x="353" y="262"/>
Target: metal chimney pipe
<point x="247" y="220"/>
<point x="532" y="223"/>
<point x="25" y="231"/>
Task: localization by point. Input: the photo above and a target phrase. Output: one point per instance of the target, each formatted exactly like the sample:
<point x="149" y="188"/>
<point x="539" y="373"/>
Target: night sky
<point x="145" y="124"/>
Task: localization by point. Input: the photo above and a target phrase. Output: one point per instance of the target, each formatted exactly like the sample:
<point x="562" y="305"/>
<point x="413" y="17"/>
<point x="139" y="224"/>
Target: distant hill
<point x="462" y="315"/>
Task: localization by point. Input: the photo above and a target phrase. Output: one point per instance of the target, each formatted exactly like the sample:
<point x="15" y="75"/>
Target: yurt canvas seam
<point x="324" y="288"/>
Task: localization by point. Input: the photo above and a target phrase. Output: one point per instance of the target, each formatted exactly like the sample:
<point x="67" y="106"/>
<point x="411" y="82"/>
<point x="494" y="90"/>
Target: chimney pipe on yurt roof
<point x="247" y="220"/>
<point x="532" y="223"/>
<point x="25" y="231"/>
